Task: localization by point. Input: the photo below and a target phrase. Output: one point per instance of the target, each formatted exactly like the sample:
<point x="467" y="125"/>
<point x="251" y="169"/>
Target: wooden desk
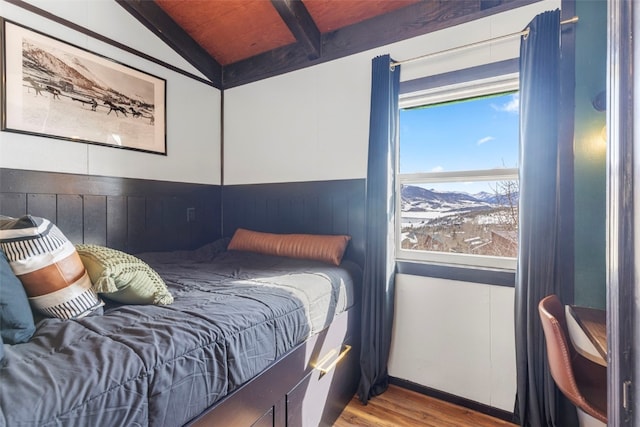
<point x="588" y="332"/>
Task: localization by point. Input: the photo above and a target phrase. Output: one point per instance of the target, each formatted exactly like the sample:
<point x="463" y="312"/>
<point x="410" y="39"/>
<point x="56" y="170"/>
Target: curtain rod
<point x="524" y="33"/>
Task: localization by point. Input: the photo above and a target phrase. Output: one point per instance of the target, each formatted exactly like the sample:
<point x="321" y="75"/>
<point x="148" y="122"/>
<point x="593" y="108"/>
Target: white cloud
<point x="485" y="139"/>
<point x="513" y="106"/>
<point x="437" y="169"/>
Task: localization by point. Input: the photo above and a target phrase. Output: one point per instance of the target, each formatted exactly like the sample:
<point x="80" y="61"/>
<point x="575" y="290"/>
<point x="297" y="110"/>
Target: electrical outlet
<point x="191" y="214"/>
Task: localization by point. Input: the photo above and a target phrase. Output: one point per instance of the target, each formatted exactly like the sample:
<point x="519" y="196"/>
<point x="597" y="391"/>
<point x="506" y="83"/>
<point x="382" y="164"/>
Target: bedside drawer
<point x="322" y="394"/>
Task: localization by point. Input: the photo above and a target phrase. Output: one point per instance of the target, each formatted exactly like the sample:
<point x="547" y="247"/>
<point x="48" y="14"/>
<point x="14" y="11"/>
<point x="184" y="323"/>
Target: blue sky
<point x="477" y="134"/>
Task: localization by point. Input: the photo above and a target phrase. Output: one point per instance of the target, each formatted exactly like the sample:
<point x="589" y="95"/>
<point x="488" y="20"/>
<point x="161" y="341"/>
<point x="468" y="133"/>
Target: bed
<point x="249" y="339"/>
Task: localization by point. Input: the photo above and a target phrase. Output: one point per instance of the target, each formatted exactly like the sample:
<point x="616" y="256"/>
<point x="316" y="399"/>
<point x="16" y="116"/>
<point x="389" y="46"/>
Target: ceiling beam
<point x="162" y="25"/>
<point x="410" y="21"/>
<point x="297" y="17"/>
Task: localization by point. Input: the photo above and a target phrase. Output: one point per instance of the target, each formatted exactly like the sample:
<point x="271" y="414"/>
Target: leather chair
<point x="583" y="382"/>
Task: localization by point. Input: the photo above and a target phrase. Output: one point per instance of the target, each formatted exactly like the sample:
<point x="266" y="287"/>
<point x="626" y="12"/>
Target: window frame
<point x="468" y="87"/>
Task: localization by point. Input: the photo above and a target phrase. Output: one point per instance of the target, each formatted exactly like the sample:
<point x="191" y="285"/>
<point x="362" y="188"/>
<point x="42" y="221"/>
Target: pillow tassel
<point x="162" y="299"/>
<point x="105" y="285"/>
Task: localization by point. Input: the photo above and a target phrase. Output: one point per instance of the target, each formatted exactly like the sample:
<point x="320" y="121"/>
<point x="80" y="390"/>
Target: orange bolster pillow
<point x="326" y="248"/>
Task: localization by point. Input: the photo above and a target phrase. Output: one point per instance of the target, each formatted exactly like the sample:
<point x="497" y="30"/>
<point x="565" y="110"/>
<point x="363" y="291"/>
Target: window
<point x="458" y="174"/>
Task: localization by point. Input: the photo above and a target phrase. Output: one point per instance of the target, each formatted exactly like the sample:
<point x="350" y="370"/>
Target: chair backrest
<point x="559" y="352"/>
<point x="561" y="355"/>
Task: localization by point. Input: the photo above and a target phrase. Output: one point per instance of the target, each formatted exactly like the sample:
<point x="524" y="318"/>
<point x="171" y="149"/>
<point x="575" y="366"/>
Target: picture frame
<point x="54" y="89"/>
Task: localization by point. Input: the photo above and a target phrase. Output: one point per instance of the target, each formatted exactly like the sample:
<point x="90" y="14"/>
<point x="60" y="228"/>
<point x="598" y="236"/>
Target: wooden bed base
<point x="309" y="386"/>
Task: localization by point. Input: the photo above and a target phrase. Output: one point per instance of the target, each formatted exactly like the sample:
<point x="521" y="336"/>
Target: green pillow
<point x="123" y="277"/>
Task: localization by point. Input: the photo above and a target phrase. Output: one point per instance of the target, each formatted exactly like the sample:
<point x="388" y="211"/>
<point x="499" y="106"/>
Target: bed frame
<point x="308" y="386"/>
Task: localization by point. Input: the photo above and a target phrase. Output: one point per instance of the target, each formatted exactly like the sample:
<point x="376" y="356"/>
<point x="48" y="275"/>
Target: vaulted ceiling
<point x="233" y="42"/>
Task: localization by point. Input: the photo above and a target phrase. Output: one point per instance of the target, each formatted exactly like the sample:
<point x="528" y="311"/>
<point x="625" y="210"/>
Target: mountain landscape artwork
<point x="58" y="90"/>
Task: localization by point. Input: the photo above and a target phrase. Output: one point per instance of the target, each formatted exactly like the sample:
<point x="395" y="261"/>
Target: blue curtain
<point x="379" y="264"/>
<point x="538" y="402"/>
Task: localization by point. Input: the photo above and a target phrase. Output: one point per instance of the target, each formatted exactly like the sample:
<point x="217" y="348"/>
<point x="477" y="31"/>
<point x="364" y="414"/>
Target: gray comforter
<point x="234" y="314"/>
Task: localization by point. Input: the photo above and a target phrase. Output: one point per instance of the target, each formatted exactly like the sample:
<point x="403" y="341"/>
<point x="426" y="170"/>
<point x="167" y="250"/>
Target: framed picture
<point x="54" y="89"/>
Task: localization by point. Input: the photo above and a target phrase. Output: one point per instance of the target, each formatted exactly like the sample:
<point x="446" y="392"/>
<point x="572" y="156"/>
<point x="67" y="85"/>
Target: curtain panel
<point x="379" y="264"/>
<point x="537" y="275"/>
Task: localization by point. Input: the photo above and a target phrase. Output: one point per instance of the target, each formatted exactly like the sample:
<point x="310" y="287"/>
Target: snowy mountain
<point x="498" y="199"/>
<point x="418" y="199"/>
<point x="42" y="62"/>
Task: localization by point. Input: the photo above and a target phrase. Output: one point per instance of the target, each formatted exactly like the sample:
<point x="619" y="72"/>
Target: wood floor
<point x="399" y="407"/>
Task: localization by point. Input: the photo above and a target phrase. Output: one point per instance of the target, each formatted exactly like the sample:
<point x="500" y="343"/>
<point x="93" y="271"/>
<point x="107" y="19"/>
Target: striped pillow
<point x="48" y="266"/>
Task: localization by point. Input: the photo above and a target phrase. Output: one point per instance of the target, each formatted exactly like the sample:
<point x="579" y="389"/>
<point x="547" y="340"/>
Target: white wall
<point x="456" y="337"/>
<point x="193" y="108"/>
<point x="307" y="125"/>
<point x="313" y="124"/>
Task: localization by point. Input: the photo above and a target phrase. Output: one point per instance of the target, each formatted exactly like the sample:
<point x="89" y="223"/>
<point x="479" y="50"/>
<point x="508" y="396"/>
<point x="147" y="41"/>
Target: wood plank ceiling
<point x="233" y="42"/>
